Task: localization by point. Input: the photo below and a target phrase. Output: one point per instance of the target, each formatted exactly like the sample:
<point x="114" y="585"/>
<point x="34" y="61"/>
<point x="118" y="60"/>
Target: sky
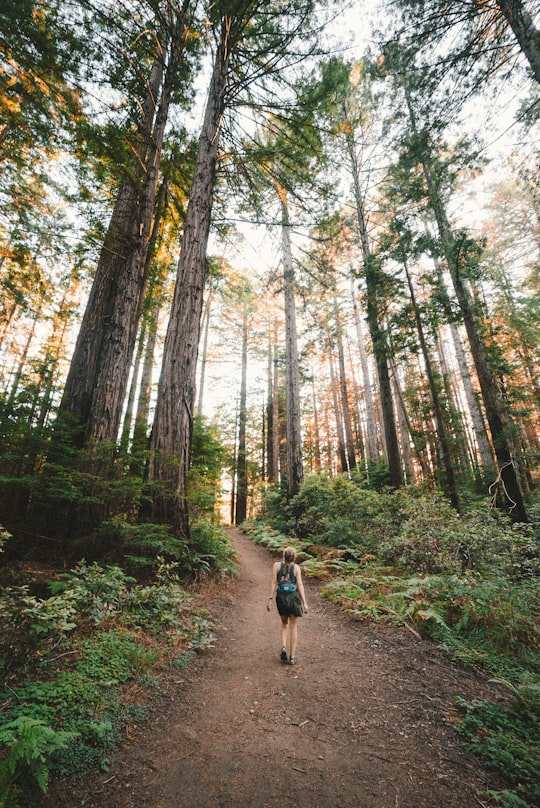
<point x="492" y="118"/>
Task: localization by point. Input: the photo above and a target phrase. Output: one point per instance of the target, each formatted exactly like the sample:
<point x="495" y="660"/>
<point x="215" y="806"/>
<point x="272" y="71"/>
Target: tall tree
<point x="478" y="38"/>
<point x="97" y="381"/>
<point x="420" y="149"/>
<point x="253" y="40"/>
<point x="345" y="101"/>
<point x="401" y="236"/>
<point x="295" y="469"/>
<point x="241" y="457"/>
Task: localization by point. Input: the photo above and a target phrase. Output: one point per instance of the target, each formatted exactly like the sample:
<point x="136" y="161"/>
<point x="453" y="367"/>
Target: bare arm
<point x="273" y="585"/>
<point x="300" y="585"/>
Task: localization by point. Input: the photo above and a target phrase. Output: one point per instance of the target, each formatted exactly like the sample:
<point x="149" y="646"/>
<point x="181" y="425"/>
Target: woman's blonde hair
<point x="289" y="554"/>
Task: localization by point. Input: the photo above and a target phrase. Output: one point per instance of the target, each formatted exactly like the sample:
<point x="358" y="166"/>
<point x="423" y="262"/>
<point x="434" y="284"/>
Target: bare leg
<point x="294" y="634"/>
<point x="284" y="624"/>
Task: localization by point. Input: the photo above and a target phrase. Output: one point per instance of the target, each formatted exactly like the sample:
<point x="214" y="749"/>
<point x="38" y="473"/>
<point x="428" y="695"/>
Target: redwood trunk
<point x="295" y="471"/>
<point x="172" y="431"/>
<point x="97" y="381"/>
<point x="241" y="460"/>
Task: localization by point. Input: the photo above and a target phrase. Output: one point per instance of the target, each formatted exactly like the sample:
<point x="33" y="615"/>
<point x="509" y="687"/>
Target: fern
<point x="30" y="742"/>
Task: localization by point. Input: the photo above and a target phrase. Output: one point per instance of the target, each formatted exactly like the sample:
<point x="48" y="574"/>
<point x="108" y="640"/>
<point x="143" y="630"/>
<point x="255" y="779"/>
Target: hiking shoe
<point x="283" y="655"/>
<point x="292" y="660"/>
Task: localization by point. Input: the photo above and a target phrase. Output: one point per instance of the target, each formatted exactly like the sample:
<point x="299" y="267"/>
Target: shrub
<point x="507" y="740"/>
<point x="333" y="511"/>
<point x="430" y="536"/>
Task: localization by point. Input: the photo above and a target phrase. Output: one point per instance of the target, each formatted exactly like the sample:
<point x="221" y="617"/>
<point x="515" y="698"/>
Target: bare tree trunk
<point x="97" y="381"/>
<point x="358" y="427"/>
<point x="342" y="454"/>
<point x="442" y="432"/>
<point x="371" y="419"/>
<point x="270" y="464"/>
<point x="403" y="427"/>
<point x="206" y="331"/>
<point x="378" y="337"/>
<point x="241" y="460"/>
<point x="172" y="432"/>
<point x="465" y="450"/>
<point x="233" y="475"/>
<point x="140" y="429"/>
<point x="295" y="471"/>
<point x="482" y="441"/>
<point x="132" y="395"/>
<point x="346" y="410"/>
<point x="525" y="32"/>
<point x="316" y="430"/>
<point x="273" y="407"/>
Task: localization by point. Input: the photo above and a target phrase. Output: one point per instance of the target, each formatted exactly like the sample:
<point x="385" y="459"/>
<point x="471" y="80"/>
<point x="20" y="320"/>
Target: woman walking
<point x="288" y="587"/>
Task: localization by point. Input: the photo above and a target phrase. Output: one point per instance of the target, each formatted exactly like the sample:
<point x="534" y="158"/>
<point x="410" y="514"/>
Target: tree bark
<point x="403" y="427"/>
<point x="316" y="451"/>
<point x="295" y="471"/>
<point x="378" y="338"/>
<point x="371" y="419"/>
<point x="241" y="459"/>
<point x="206" y="330"/>
<point x="524" y="30"/>
<point x="347" y="422"/>
<point x="97" y="380"/>
<point x="445" y="453"/>
<point x="497" y="417"/>
<point x="172" y="431"/>
<point x="273" y="408"/>
<point x="342" y="454"/>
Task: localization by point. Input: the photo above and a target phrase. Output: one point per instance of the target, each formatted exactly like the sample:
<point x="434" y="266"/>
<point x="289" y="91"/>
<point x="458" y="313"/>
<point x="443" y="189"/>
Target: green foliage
<point x="411" y="528"/>
<point x="98" y="592"/>
<point x="470" y="582"/>
<point x="507" y="740"/>
<point x="332" y="509"/>
<point x="31" y="626"/>
<point x="29" y="743"/>
<point x="67" y="658"/>
<point x="208" y="549"/>
<point x="266" y="536"/>
<point x="207" y="461"/>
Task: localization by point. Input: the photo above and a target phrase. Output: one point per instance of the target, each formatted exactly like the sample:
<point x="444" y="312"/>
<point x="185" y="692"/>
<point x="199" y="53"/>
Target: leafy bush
<point x="82" y="670"/>
<point x="507" y="740"/>
<point x="430" y="537"/>
<point x="138" y="546"/>
<point x="333" y="510"/>
<point x="470" y="582"/>
<point x="31" y="626"/>
<point x="415" y="529"/>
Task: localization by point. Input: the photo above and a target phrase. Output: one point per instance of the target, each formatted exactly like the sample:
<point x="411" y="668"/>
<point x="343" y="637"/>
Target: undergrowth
<point x="470" y="583"/>
<point x="78" y="666"/>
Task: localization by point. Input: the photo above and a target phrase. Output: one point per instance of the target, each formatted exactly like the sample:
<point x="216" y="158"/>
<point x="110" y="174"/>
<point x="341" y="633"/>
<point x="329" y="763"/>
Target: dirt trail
<point x="364" y="720"/>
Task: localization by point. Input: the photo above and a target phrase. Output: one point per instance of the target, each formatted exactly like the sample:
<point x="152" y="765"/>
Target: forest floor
<point x="366" y="718"/>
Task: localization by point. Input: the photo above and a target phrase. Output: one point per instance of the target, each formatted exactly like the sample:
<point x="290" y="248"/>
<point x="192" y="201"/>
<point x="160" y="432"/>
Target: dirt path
<point x="364" y="720"/>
